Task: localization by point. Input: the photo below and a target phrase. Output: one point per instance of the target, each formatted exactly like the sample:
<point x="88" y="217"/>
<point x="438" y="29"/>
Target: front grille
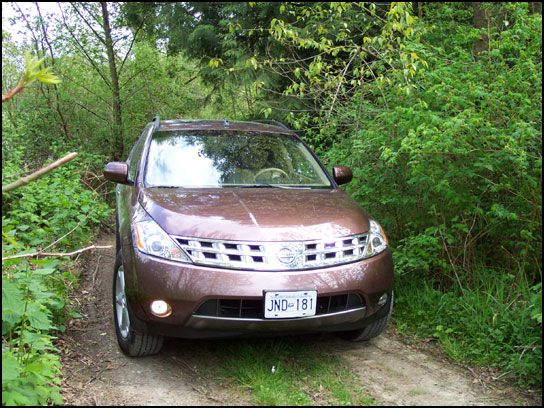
<point x="254" y="308"/>
<point x="274" y="255"/>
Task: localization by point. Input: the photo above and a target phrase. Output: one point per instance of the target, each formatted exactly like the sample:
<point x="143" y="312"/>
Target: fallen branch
<point x="96" y="270"/>
<point x="101" y="371"/>
<point x="500" y="376"/>
<point x="23" y="181"/>
<point x="64" y="236"/>
<point x="525" y="348"/>
<point x="39" y="254"/>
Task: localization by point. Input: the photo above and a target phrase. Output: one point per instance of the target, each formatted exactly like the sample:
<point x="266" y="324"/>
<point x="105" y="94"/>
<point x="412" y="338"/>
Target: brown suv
<point x="237" y="228"/>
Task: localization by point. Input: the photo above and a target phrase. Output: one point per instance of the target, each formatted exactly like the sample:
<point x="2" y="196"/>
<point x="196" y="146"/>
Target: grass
<point x="490" y="323"/>
<point x="304" y="373"/>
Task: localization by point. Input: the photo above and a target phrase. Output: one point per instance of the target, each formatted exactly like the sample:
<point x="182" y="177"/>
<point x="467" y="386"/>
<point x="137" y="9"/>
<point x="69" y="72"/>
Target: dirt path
<point x="97" y="373"/>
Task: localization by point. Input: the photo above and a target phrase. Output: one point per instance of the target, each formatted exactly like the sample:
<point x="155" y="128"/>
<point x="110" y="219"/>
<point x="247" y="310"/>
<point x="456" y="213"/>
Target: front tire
<point x="133" y="343"/>
<point x="374" y="329"/>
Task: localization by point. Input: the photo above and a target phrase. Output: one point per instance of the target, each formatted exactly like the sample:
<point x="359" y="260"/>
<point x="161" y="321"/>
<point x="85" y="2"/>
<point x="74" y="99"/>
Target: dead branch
<point x="96" y="270"/>
<point x="23" y="181"/>
<point x="64" y="236"/>
<point x="38" y="254"/>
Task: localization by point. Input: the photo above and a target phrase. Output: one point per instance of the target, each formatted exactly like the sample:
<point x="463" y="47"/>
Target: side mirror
<point x="342" y="174"/>
<point x="116" y="172"/>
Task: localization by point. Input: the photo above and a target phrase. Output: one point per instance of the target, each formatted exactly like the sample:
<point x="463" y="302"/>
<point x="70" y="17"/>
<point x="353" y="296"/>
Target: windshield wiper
<point x="266" y="185"/>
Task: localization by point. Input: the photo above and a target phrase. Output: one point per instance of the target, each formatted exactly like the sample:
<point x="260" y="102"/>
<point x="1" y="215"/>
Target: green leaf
<point x="44" y="271"/>
<point x="56" y="397"/>
<point x="12" y="298"/>
<point x="10" y="368"/>
<point x="38" y="318"/>
<point x="9" y="320"/>
<point x="74" y="314"/>
<point x="10" y="262"/>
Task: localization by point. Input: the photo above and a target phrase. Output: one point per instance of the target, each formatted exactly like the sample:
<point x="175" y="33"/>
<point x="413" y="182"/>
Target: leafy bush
<point x="451" y="165"/>
<point x="490" y="324"/>
<point x="34" y="292"/>
<point x="31" y="306"/>
<point x="51" y="207"/>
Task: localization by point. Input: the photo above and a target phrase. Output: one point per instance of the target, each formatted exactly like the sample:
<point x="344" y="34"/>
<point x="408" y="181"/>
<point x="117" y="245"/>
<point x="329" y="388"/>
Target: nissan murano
<point x="236" y="228"/>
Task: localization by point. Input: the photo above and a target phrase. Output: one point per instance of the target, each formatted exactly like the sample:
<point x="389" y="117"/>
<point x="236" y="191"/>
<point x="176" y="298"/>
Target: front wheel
<point x="374" y="329"/>
<point x="133" y="343"/>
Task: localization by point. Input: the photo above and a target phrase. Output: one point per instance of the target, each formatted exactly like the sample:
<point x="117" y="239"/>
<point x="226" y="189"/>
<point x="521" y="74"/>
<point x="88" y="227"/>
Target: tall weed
<point x="453" y="171"/>
<point x="35" y="292"/>
<point x="491" y="323"/>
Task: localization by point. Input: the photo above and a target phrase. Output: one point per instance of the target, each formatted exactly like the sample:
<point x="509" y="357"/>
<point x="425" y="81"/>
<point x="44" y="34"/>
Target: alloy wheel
<point x="121" y="307"/>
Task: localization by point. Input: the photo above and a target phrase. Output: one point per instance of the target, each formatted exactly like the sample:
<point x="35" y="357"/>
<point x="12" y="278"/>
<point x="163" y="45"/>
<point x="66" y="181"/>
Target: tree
<point x="223" y="38"/>
<point x="93" y="39"/>
<point x="480" y="23"/>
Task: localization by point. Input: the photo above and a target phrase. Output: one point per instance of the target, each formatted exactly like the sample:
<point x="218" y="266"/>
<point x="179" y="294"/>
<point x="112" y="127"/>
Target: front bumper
<point x="186" y="287"/>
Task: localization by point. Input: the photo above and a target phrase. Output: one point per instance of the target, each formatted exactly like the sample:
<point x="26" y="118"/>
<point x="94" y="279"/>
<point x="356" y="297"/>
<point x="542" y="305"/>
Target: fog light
<point x="382" y="300"/>
<point x="160" y="308"/>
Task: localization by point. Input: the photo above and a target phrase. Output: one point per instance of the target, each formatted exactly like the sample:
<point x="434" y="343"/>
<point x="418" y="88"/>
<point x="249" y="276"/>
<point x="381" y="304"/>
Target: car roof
<point x="204" y="124"/>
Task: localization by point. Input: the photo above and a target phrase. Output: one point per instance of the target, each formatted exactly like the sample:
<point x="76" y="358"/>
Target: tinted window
<point x="231" y="158"/>
<point x="134" y="157"/>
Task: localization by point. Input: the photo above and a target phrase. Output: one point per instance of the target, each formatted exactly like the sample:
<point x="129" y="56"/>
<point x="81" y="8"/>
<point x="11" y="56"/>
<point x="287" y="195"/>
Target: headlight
<point x="377" y="241"/>
<point x="152" y="240"/>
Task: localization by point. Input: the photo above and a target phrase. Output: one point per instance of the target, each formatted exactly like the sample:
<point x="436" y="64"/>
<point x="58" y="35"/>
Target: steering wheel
<point x="272" y="170"/>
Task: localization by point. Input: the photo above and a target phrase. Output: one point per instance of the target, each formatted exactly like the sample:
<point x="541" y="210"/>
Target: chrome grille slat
<point x="292" y="255"/>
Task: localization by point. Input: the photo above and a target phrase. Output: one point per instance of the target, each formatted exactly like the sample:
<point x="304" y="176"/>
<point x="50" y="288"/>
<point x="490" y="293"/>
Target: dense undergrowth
<point x="491" y="324"/>
<point x="453" y="171"/>
<point x="35" y="292"/>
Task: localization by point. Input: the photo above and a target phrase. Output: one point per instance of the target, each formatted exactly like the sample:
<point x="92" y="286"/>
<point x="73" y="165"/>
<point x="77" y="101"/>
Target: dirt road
<point x="97" y="373"/>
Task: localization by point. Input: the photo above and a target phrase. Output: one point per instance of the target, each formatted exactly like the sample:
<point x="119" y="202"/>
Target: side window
<point x="135" y="154"/>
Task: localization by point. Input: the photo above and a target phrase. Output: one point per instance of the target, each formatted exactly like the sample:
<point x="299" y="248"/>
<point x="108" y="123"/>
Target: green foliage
<point x="177" y="90"/>
<point x="446" y="154"/>
<point x="490" y="324"/>
<point x="302" y="370"/>
<point x="354" y="47"/>
<point x="463" y="154"/>
<point x="33" y="73"/>
<point x="35" y="293"/>
<point x="53" y="205"/>
<point x="225" y="40"/>
<point x="33" y="305"/>
<point x="30" y="384"/>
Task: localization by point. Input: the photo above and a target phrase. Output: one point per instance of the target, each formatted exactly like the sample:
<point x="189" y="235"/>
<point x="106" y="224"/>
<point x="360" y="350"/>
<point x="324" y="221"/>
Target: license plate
<point x="279" y="305"/>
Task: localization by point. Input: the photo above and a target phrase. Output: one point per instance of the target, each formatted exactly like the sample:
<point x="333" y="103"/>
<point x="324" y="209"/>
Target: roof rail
<point x="157" y="123"/>
<point x="272" y="122"/>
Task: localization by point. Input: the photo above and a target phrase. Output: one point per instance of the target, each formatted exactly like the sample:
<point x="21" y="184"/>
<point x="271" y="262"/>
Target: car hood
<point x="254" y="214"/>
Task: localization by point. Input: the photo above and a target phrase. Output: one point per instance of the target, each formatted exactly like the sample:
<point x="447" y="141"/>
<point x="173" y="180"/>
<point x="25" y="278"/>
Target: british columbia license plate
<point x="278" y="305"/>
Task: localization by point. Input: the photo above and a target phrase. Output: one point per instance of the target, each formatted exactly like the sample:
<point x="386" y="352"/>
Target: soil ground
<point x="390" y="370"/>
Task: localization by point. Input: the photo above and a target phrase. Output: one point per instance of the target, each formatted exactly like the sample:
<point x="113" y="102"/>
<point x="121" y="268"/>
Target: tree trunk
<point x="118" y="144"/>
<point x="535" y="7"/>
<point x="419" y="9"/>
<point x="480" y="21"/>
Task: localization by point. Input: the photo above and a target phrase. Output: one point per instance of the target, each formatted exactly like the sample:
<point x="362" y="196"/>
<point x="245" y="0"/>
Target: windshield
<point x="231" y="159"/>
